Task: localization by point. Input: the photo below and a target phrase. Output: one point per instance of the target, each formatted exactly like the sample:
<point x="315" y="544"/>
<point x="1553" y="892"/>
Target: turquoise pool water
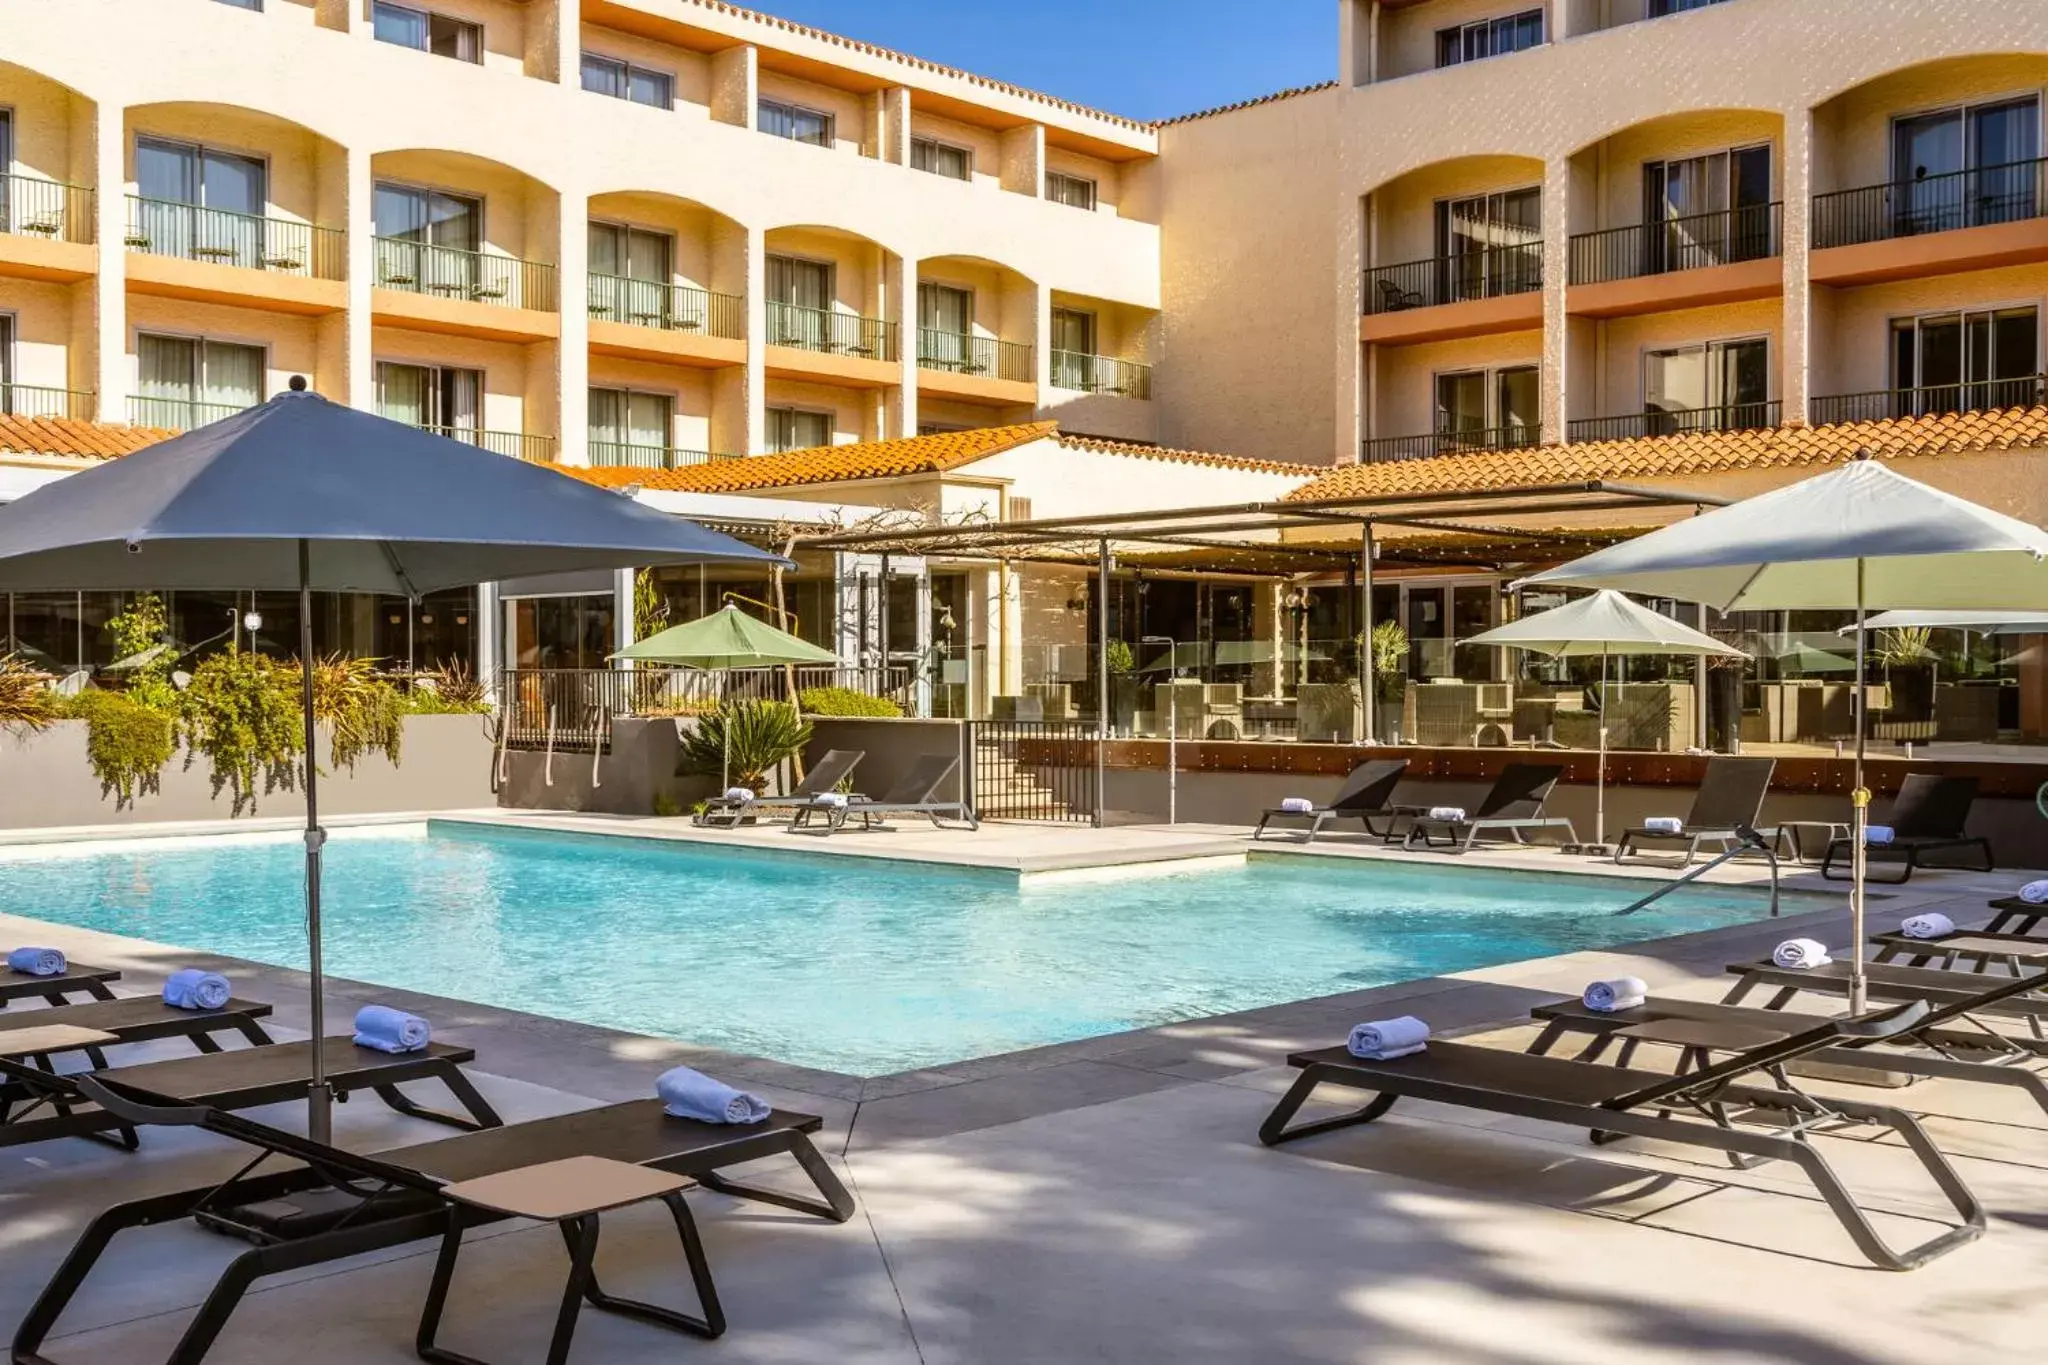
<point x="859" y="967"/>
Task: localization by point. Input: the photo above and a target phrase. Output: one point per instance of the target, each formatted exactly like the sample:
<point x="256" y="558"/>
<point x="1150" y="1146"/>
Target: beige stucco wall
<point x="1402" y="388"/>
<point x="1620" y="343"/>
<point x="1858" y="324"/>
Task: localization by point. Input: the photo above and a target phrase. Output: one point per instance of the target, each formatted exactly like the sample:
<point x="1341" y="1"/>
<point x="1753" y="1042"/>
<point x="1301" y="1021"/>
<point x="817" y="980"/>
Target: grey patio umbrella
<point x="1857" y="536"/>
<point x="301" y="493"/>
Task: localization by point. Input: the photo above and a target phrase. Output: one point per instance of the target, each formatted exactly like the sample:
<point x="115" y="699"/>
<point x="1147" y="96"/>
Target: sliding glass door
<point x="630" y="274"/>
<point x="440" y="398"/>
<point x="1490" y="244"/>
<point x="799" y="298"/>
<point x="199" y="203"/>
<point x="628" y="427"/>
<point x="428" y="241"/>
<point x="190" y="381"/>
<point x="1714" y="209"/>
<point x="1966" y="362"/>
<point x="1717" y="386"/>
<point x="945" y="324"/>
<point x="1967" y="166"/>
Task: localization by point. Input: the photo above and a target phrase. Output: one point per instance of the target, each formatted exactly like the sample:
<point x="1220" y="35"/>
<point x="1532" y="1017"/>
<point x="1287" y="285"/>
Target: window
<point x="198" y="203"/>
<point x="624" y="81"/>
<point x="1491" y="244"/>
<point x="190" y="381"/>
<point x="424" y="31"/>
<point x="941" y="158"/>
<point x="1966" y="362"/>
<point x="438" y="397"/>
<point x="630" y="274"/>
<point x="795" y="123"/>
<point x="945" y="324"/>
<point x="1073" y="348"/>
<point x="1967" y="166"/>
<point x="1660" y="8"/>
<point x="1488" y="408"/>
<point x="1715" y="209"/>
<point x="799" y="302"/>
<point x="1489" y="38"/>
<point x="798" y="429"/>
<point x="1714" y="386"/>
<point x="630" y="427"/>
<point x="1076" y="192"/>
<point x="427" y="241"/>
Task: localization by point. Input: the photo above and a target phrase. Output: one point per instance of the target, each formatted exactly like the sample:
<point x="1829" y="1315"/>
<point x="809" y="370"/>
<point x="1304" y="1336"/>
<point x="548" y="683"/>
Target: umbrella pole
<point x="1859" y="806"/>
<point x="319" y="1099"/>
<point x="1600" y="782"/>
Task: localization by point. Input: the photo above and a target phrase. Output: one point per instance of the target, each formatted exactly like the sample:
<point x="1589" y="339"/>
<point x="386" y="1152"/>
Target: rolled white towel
<point x="833" y="799"/>
<point x="2035" y="893"/>
<point x="1664" y="824"/>
<point x="1450" y="815"/>
<point x="1801" y="954"/>
<point x="1933" y="924"/>
<point x="1877" y="834"/>
<point x="1622" y="993"/>
<point x="739" y="794"/>
<point x="1382" y="1040"/>
<point x="1297" y="805"/>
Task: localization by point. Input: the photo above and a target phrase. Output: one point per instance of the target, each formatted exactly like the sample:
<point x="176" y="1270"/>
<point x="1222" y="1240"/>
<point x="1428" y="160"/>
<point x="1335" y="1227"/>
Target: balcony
<point x="1444" y="297"/>
<point x="33" y="400"/>
<point x="532" y="449"/>
<point x="178" y="414"/>
<point x="1722" y="257"/>
<point x="1388" y="449"/>
<point x="976" y="368"/>
<point x="1727" y="417"/>
<point x="1101" y="374"/>
<point x="220" y="257"/>
<point x="46" y="230"/>
<point x="469" y="293"/>
<point x="822" y="343"/>
<point x="653" y="320"/>
<point x="616" y="455"/>
<point x="1938" y="224"/>
<point x="1989" y="395"/>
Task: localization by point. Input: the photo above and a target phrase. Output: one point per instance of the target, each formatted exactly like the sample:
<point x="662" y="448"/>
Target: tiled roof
<point x="934" y="454"/>
<point x="1248" y="104"/>
<point x="1693" y="453"/>
<point x="65" y="436"/>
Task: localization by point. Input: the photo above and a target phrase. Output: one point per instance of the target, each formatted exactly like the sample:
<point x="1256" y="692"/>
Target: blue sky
<point x="1145" y="59"/>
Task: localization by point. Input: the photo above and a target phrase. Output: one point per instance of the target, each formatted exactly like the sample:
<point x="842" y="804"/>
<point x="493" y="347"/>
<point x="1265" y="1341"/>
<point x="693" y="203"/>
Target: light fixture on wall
<point x="252" y="622"/>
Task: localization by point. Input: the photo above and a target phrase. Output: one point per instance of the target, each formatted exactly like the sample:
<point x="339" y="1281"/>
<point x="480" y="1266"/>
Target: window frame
<point x="435" y="369"/>
<point x="1461" y="35"/>
<point x="1491" y="375"/>
<point x="763" y="103"/>
<point x="200" y="341"/>
<point x="253" y="6"/>
<point x="931" y="145"/>
<point x="430" y="16"/>
<point x="1962" y="314"/>
<point x="10" y="332"/>
<point x="1707" y="348"/>
<point x="830" y="416"/>
<point x="1094" y="190"/>
<point x="200" y="149"/>
<point x="628" y="69"/>
<point x="629" y="392"/>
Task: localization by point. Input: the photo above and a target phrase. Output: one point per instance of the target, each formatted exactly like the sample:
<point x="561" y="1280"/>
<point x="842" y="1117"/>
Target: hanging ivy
<point x="127" y="743"/>
<point x="242" y="712"/>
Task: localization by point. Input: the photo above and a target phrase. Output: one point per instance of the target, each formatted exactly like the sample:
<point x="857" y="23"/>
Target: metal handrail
<point x="621" y="454"/>
<point x="2006" y="193"/>
<point x="1389" y="449"/>
<point x="1753" y="232"/>
<point x="480" y="277"/>
<point x="532" y="449"/>
<point x="49" y="209"/>
<point x="178" y="414"/>
<point x="1101" y="374"/>
<point x="1983" y="395"/>
<point x="830" y="332"/>
<point x="35" y="400"/>
<point x="667" y="307"/>
<point x="961" y="353"/>
<point x="1488" y="273"/>
<point x="1726" y="417"/>
<point x="164" y="227"/>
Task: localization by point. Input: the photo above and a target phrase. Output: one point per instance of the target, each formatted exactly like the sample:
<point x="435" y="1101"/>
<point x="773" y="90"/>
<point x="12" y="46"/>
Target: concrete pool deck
<point x="1108" y="1200"/>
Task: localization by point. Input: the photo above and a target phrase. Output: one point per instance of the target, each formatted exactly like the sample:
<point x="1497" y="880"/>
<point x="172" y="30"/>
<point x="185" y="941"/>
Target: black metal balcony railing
<point x="1386" y="449"/>
<point x="161" y="227"/>
<point x="830" y="332"/>
<point x="1727" y="417"/>
<point x="448" y="273"/>
<point x="1516" y="268"/>
<point x="1753" y="233"/>
<point x="49" y="209"/>
<point x="620" y="454"/>
<point x="2008" y="193"/>
<point x="532" y="449"/>
<point x="1101" y="374"/>
<point x="178" y="414"/>
<point x="34" y="400"/>
<point x="956" y="353"/>
<point x="667" y="307"/>
<point x="1984" y="395"/>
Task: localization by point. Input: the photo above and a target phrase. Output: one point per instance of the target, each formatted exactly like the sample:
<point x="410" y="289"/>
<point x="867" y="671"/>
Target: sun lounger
<point x="332" y="1203"/>
<point x="143" y="1019"/>
<point x="2011" y="951"/>
<point x="2015" y="916"/>
<point x="915" y="793"/>
<point x="1513" y="807"/>
<point x="1740" y="1121"/>
<point x="1927" y="816"/>
<point x="1730" y="798"/>
<point x="1364" y="795"/>
<point x="56" y="990"/>
<point x="722" y="812"/>
<point x="1883" y="981"/>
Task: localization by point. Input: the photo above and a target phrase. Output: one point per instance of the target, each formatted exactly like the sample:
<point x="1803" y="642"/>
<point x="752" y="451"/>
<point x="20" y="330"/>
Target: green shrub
<point x="243" y="711"/>
<point x="126" y="742"/>
<point x="744" y="740"/>
<point x="364" y="712"/>
<point x="845" y="701"/>
<point x="26" y="701"/>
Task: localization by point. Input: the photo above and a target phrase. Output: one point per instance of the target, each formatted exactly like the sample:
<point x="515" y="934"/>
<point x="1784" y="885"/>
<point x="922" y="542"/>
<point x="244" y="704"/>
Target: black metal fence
<point x="830" y="332"/>
<point x="1384" y="449"/>
<point x="2008" y="193"/>
<point x="1035" y="770"/>
<point x="1727" y="417"/>
<point x="1984" y="395"/>
<point x="571" y="710"/>
<point x="1516" y="268"/>
<point x="1750" y="233"/>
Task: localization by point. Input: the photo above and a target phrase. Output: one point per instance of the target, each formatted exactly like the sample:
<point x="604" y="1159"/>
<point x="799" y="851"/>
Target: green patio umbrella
<point x="1802" y="657"/>
<point x="728" y="638"/>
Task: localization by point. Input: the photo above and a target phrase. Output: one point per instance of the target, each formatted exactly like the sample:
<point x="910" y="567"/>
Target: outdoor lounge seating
<point x="1884" y="981"/>
<point x="723" y="812"/>
<point x="914" y="793"/>
<point x="1512" y="807"/>
<point x="1982" y="950"/>
<point x="76" y="979"/>
<point x="1746" y="1123"/>
<point x="1365" y="794"/>
<point x="331" y="1203"/>
<point x="140" y="1019"/>
<point x="1730" y="798"/>
<point x="1927" y="816"/>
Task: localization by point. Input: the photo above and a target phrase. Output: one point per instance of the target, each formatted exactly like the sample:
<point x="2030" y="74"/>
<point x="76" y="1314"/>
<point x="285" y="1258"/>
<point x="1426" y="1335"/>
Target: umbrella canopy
<point x="1805" y="658"/>
<point x="728" y="638"/>
<point x="1983" y="622"/>
<point x="1605" y="623"/>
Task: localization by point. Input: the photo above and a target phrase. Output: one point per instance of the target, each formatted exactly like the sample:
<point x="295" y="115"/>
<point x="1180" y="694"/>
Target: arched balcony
<point x="977" y="325"/>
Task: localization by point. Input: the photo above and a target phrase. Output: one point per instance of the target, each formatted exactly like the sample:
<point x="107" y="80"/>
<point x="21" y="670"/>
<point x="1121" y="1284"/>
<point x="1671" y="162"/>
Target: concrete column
<point x="339" y="15"/>
<point x="1353" y="252"/>
<point x="1023" y="160"/>
<point x="553" y="41"/>
<point x="1041" y="343"/>
<point x="2034" y="687"/>
<point x="739" y="392"/>
<point x="736" y="86"/>
<point x="888" y="133"/>
<point x="359" y="363"/>
<point x="1358" y="29"/>
<point x="490" y="626"/>
<point x="622" y="613"/>
<point x="109" y="322"/>
<point x="1006" y="631"/>
<point x="899" y="300"/>
<point x="572" y="371"/>
<point x="1795" y="347"/>
<point x="1557" y="188"/>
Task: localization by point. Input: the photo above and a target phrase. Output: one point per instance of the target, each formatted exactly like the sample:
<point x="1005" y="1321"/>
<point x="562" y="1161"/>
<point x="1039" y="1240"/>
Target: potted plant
<point x="1907" y="656"/>
<point x="1123" y="688"/>
<point x="1389" y="663"/>
<point x="742" y="742"/>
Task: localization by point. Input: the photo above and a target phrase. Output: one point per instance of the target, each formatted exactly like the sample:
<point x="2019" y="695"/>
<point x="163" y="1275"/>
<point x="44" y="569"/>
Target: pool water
<point x="858" y="966"/>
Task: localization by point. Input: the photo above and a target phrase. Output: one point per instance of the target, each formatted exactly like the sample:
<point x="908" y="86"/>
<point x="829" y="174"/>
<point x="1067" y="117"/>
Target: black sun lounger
<point x="77" y="979"/>
<point x="722" y="812"/>
<point x="1884" y="981"/>
<point x="2016" y="916"/>
<point x="1982" y="950"/>
<point x="1730" y="798"/>
<point x="336" y="1204"/>
<point x="1513" y="806"/>
<point x="1364" y="795"/>
<point x="1927" y="816"/>
<point x="245" y="1078"/>
<point x="143" y="1019"/>
<point x="915" y="793"/>
<point x="1617" y="1101"/>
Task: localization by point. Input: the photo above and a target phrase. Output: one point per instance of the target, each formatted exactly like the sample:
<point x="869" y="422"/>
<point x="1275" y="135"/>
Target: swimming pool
<point x="853" y="965"/>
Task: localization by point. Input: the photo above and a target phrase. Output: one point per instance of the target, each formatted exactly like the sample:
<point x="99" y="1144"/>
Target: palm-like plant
<point x="26" y="702"/>
<point x="745" y="740"/>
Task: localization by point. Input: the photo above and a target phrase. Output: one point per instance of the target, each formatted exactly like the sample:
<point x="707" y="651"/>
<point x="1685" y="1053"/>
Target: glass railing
<point x="1383" y="450"/>
<point x="2008" y="193"/>
<point x="448" y="273"/>
<point x="1750" y="233"/>
<point x="1101" y="374"/>
<point x="1727" y="417"/>
<point x="667" y="307"/>
<point x="957" y="353"/>
<point x="625" y="455"/>
<point x="833" y="333"/>
<point x="533" y="449"/>
<point x="1492" y="272"/>
<point x="34" y="400"/>
<point x="179" y="414"/>
<point x="160" y="227"/>
<point x="1984" y="395"/>
<point x="49" y="209"/>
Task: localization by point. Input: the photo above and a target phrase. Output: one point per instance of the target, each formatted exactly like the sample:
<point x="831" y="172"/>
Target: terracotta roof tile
<point x="1692" y="453"/>
<point x="68" y="437"/>
<point x="1201" y="457"/>
<point x="1252" y="103"/>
